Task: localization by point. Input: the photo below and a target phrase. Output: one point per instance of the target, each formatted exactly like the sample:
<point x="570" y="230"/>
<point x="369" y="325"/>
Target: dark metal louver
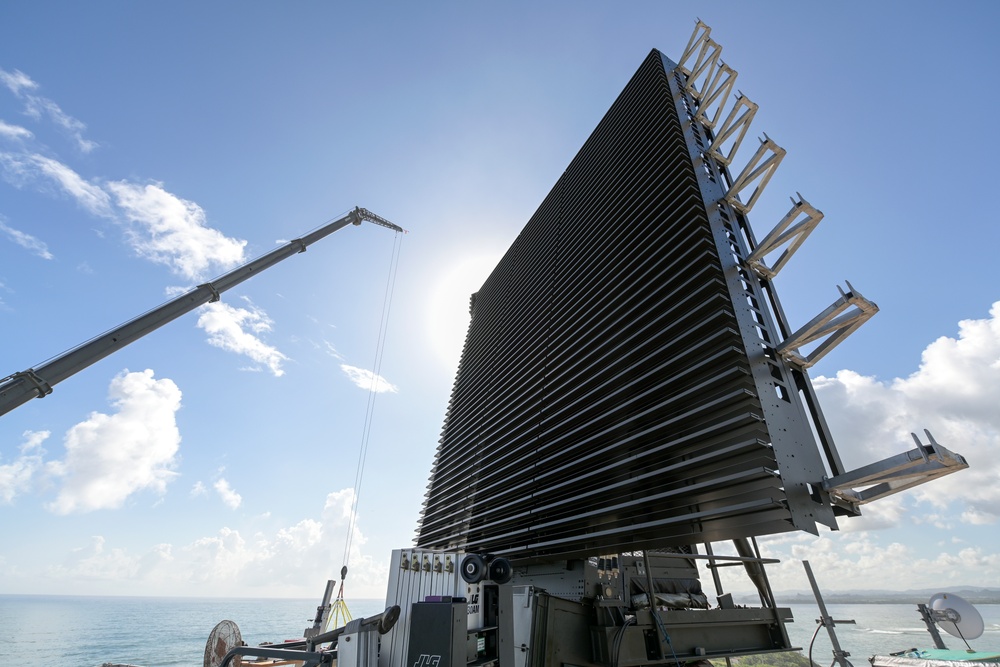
<point x="609" y="395"/>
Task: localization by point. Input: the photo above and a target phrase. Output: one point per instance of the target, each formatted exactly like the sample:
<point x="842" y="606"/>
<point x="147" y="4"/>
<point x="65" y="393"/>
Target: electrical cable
<point x="813" y="641"/>
<point x="664" y="634"/>
<point x="370" y="407"/>
<point x="616" y="644"/>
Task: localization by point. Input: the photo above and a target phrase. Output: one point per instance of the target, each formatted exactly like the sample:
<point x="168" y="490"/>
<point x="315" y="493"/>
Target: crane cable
<point x="339" y="611"/>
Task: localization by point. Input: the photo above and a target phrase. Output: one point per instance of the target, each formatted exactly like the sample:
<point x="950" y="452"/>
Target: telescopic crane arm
<point x="21" y="387"/>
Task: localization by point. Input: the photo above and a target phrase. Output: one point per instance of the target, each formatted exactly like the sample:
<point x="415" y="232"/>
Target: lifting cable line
<point x="372" y="393"/>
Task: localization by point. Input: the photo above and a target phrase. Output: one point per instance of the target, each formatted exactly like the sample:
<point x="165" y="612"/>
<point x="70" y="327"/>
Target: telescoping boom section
<point x="37" y="382"/>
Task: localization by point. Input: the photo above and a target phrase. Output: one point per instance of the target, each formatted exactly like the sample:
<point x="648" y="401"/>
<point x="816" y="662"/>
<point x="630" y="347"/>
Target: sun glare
<point x="448" y="305"/>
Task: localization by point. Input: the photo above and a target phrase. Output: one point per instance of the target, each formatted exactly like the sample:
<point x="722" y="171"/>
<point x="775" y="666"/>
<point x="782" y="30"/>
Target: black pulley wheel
<point x="500" y="571"/>
<point x="389" y="618"/>
<point x="473" y="569"/>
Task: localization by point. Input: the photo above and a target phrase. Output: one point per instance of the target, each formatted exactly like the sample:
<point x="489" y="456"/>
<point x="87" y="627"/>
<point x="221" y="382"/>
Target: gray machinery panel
<point x="618" y="387"/>
<point x="437" y="634"/>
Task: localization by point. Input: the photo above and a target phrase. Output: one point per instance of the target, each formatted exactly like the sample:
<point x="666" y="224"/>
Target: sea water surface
<point x="71" y="631"/>
<point x="880" y="629"/>
<point x="78" y="631"/>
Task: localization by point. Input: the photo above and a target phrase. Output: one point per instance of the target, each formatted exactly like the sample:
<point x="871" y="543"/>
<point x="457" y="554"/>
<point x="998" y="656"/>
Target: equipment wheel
<point x="473" y="568"/>
<point x="500" y="571"/>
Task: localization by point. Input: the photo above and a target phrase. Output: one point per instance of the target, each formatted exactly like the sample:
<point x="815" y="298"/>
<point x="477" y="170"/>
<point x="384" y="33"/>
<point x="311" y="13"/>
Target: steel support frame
<point x="896" y="473"/>
<point x="785" y="233"/>
<point x="697" y="635"/>
<point x="833" y="325"/>
<point x="736" y="125"/>
<point x="758" y="170"/>
<point x="783" y="390"/>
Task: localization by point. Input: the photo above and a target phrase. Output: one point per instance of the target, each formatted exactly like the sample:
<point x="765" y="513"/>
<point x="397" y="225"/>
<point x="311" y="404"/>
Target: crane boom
<point x="21" y="387"/>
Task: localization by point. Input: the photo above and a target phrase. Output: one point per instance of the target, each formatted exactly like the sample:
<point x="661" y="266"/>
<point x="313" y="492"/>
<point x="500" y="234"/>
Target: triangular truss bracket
<point x="708" y="60"/>
<point x="759" y="170"/>
<point x="894" y="474"/>
<point x="716" y="92"/>
<point x="833" y="324"/>
<point x="698" y="38"/>
<point x="785" y="232"/>
<point x="737" y="123"/>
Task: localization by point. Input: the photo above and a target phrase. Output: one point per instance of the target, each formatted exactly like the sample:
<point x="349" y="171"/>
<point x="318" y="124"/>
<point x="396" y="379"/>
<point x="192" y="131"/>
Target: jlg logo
<point x="427" y="661"/>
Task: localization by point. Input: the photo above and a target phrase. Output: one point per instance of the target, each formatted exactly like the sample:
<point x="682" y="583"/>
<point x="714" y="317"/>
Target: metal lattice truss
<point x="832" y="326"/>
<point x="735" y="128"/>
<point x="756" y="174"/>
<point x="791" y="230"/>
<point x="895" y="474"/>
<point x="708" y="83"/>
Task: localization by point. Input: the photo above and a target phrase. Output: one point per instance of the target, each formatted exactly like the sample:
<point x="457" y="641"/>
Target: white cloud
<point x="869" y="563"/>
<point x="217" y="558"/>
<point x="229" y="497"/>
<point x="109" y="566"/>
<point x="37" y="106"/>
<point x="290" y="561"/>
<point x="367" y="380"/>
<point x="161" y="227"/>
<point x="19" y="168"/>
<point x="17" y="81"/>
<point x="954" y="394"/>
<point x="90" y="196"/>
<point x="198" y="489"/>
<point x="26" y="241"/>
<point x="292" y="556"/>
<point x="18" y="476"/>
<point x="110" y="457"/>
<point x="171" y="231"/>
<point x="226" y="327"/>
<point x="14" y="131"/>
<point x="885" y="513"/>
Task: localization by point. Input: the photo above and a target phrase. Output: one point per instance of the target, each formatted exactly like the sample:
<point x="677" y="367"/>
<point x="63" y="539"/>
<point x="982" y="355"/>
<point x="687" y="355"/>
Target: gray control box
<point x="437" y="634"/>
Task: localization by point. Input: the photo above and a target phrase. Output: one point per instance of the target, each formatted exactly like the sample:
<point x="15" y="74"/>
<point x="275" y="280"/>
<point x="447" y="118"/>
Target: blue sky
<point x="146" y="147"/>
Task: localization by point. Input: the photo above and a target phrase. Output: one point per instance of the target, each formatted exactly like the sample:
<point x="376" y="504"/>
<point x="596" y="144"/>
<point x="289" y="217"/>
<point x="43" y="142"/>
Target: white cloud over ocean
<point x="291" y="561"/>
<point x="109" y="457"/>
<point x="20" y="475"/>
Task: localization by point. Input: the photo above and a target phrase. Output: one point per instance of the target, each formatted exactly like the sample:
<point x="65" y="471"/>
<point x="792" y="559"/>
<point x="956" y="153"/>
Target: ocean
<point x="71" y="631"/>
<point x="880" y="629"/>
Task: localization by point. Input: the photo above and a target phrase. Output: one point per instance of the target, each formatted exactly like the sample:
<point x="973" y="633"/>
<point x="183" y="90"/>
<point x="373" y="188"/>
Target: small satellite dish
<point x="956" y="616"/>
<point x="224" y="637"/>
